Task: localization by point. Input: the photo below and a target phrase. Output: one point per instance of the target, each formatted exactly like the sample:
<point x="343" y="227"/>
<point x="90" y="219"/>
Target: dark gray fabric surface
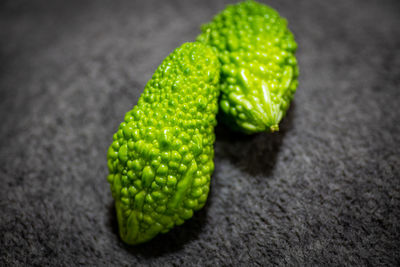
<point x="323" y="191"/>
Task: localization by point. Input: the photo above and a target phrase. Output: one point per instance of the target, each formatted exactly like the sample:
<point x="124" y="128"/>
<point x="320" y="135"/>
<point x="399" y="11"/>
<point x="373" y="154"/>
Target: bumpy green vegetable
<point x="161" y="159"/>
<point x="259" y="69"/>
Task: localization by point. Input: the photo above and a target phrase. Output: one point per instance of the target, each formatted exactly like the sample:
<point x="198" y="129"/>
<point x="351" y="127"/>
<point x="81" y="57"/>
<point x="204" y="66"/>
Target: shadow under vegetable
<point x="255" y="154"/>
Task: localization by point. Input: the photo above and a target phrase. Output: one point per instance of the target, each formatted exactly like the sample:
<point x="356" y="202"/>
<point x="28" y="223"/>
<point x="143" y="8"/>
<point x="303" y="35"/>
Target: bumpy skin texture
<point x="259" y="69"/>
<point x="161" y="159"/>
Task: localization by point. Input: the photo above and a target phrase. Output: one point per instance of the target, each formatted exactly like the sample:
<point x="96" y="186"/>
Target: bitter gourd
<point x="161" y="157"/>
<point x="259" y="68"/>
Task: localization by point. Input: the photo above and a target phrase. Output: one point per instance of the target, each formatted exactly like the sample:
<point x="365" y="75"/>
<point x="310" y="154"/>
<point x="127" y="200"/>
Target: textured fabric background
<point x="325" y="190"/>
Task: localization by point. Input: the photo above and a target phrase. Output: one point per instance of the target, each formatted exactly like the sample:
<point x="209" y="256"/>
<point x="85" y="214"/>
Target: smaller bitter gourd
<point x="259" y="68"/>
<point x="161" y="158"/>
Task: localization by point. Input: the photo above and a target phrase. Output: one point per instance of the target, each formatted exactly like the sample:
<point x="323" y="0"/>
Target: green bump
<point x="162" y="170"/>
<point x="259" y="70"/>
<point x="112" y="154"/>
<point x="160" y="180"/>
<point x="164" y="140"/>
<point x="139" y="199"/>
<point x="186" y="214"/>
<point x="171" y="180"/>
<point x="147" y="176"/>
<point x="123" y="153"/>
<point x="197" y="192"/>
<point x="136" y="165"/>
<point x="166" y="137"/>
<point x="190" y="203"/>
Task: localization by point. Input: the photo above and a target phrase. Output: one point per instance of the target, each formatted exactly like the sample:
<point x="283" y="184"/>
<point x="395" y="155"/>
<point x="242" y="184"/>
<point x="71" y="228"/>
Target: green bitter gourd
<point x="259" y="68"/>
<point x="161" y="158"/>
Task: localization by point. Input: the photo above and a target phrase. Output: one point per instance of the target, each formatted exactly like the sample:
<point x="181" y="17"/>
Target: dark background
<point x="324" y="190"/>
